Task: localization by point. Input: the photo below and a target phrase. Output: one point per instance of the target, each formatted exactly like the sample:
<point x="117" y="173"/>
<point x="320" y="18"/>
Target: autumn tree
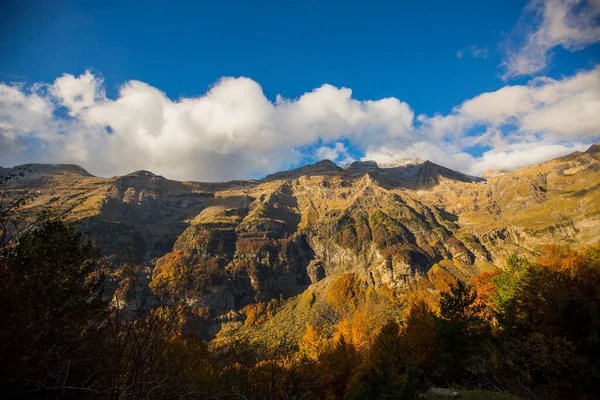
<point x="462" y="331"/>
<point x="487" y="292"/>
<point x="551" y="325"/>
<point x="419" y="339"/>
<point x="345" y="292"/>
<point x="389" y="371"/>
<point x="506" y="283"/>
<point x="50" y="304"/>
<point x="313" y="344"/>
<point x="337" y="366"/>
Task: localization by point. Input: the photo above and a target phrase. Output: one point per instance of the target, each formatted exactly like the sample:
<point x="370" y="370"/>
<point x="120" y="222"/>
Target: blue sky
<point x="432" y="56"/>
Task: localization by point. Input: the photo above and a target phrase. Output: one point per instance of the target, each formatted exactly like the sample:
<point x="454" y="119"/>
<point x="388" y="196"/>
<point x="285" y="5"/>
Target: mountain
<point x="325" y="167"/>
<point x="219" y="247"/>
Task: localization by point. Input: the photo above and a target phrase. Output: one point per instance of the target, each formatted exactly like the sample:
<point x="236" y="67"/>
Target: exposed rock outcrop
<point x="225" y="245"/>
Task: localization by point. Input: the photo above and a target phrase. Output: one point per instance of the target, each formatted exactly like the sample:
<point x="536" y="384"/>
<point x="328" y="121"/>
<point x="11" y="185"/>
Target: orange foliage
<point x="254" y="313"/>
<point x="486" y="290"/>
<point x="440" y="279"/>
<point x="426" y="289"/>
<point x="313" y="343"/>
<point x="258" y="313"/>
<point x="344" y="328"/>
<point x="345" y="292"/>
<point x="359" y="330"/>
<point x="562" y="258"/>
<point x="419" y="335"/>
<point x="421" y="290"/>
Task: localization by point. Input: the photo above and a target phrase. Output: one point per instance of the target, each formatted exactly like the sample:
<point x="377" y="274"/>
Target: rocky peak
<point x="142" y="180"/>
<point x="361" y="167"/>
<point x="35" y="170"/>
<point x="143" y="173"/>
<point x="490" y="173"/>
<point x="594" y="149"/>
<point x="324" y="167"/>
<point x="403" y="163"/>
<point x="430" y="174"/>
<point x="231" y="244"/>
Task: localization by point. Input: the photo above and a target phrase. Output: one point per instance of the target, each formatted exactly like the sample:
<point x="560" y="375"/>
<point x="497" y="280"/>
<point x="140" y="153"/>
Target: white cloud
<point x="567" y="109"/>
<point x="448" y="156"/>
<point x="520" y="155"/>
<point x="522" y="125"/>
<point x="233" y="131"/>
<point x="79" y="93"/>
<point x="337" y="153"/>
<point x="546" y="24"/>
<point x="475" y="51"/>
<point x="479" y="52"/>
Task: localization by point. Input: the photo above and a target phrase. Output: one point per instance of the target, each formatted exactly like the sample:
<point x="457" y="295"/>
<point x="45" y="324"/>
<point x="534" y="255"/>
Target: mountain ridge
<point x="324" y="166"/>
<point x="223" y="246"/>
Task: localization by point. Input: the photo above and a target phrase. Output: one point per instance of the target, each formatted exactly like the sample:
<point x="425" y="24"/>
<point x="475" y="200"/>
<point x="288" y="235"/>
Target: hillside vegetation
<point x="360" y="282"/>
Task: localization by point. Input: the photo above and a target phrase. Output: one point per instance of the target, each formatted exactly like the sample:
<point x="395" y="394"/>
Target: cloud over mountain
<point x="235" y="131"/>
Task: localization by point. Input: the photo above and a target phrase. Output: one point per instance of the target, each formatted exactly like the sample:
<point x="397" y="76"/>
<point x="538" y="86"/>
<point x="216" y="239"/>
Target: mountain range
<point x="220" y="247"/>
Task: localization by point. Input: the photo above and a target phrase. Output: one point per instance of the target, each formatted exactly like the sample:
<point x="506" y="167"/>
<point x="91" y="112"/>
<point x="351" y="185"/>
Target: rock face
<point x="224" y="245"/>
<point x="324" y="167"/>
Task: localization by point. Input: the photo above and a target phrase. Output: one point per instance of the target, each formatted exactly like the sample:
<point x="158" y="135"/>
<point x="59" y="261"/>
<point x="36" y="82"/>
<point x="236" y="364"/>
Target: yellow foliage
<point x="421" y="290"/>
<point x="363" y="326"/>
<point x="345" y="292"/>
<point x="419" y="335"/>
<point x="387" y="292"/>
<point x="259" y="313"/>
<point x="168" y="272"/>
<point x="344" y="328"/>
<point x="358" y="330"/>
<point x="253" y="313"/>
<point x="486" y="290"/>
<point x="313" y="343"/>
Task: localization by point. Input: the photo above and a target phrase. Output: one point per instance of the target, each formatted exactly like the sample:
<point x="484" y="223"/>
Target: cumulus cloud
<point x="519" y="155"/>
<point x="520" y="125"/>
<point x="337" y="153"/>
<point x="565" y="109"/>
<point x="508" y="158"/>
<point x="79" y="93"/>
<point x="447" y="155"/>
<point x="234" y="131"/>
<point x="546" y="24"/>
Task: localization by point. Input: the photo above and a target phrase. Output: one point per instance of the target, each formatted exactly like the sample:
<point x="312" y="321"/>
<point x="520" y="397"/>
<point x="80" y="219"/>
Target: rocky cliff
<point x="221" y="246"/>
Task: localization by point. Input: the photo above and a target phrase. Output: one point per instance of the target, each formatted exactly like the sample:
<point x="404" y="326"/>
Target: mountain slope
<point x="219" y="247"/>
